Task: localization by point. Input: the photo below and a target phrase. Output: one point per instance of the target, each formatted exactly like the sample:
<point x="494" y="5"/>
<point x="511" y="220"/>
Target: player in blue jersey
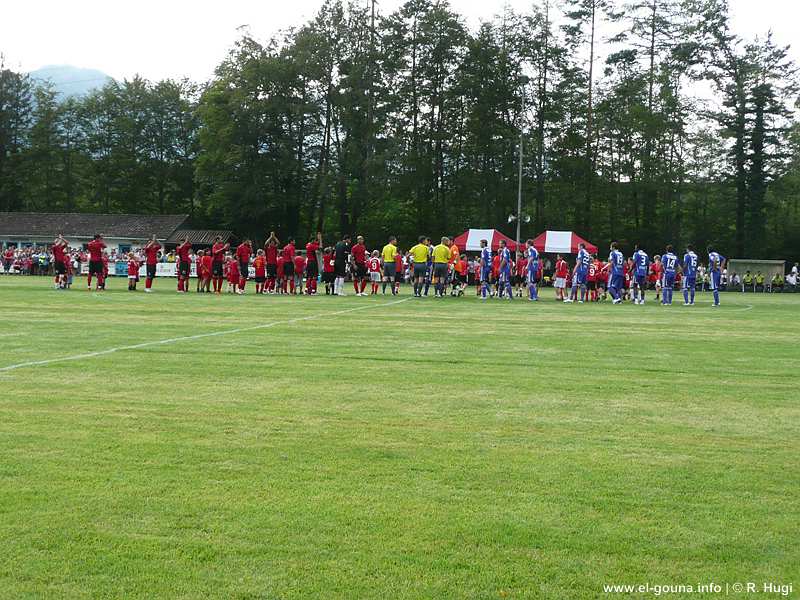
<point x="486" y="268"/>
<point x="617" y="282"/>
<point x="641" y="266"/>
<point x="689" y="281"/>
<point x="716" y="263"/>
<point x="671" y="265"/>
<point x="580" y="275"/>
<point x="504" y="281"/>
<point x="533" y="270"/>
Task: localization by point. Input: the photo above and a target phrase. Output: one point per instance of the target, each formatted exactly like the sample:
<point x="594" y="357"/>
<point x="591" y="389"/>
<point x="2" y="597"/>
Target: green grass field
<point x="370" y="448"/>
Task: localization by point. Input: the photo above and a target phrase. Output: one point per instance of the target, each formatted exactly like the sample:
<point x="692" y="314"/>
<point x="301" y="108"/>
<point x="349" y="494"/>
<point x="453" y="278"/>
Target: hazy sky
<point x="177" y="38"/>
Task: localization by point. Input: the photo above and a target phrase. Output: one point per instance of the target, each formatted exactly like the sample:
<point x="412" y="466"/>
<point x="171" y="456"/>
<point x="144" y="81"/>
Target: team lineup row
<point x="282" y="269"/>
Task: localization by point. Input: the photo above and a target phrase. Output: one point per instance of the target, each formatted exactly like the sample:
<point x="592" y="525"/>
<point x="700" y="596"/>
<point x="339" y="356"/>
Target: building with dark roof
<point x="120" y="231"/>
<point x="199" y="237"/>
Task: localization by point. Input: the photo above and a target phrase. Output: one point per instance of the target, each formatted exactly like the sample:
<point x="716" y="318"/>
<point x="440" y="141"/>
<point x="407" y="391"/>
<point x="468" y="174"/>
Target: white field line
<point x="186" y="338"/>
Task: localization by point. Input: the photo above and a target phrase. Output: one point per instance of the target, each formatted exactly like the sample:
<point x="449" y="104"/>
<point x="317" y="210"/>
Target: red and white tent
<point x="562" y="242"/>
<point x="470" y="240"/>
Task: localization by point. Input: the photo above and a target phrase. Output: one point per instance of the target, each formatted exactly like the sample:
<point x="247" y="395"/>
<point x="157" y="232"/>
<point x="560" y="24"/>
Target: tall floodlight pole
<point x="519" y="183"/>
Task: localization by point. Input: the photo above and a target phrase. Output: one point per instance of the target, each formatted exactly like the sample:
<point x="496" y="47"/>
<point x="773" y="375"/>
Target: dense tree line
<point x="365" y="122"/>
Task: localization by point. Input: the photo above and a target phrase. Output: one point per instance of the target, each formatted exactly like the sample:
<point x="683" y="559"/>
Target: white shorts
<point x="375" y="276"/>
<point x="561" y="282"/>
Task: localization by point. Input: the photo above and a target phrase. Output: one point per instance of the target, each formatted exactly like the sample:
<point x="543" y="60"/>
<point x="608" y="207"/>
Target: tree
<point x="15" y="119"/>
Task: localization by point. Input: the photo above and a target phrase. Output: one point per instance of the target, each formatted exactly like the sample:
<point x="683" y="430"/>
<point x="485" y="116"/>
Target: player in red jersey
<point x="243" y="253"/>
<point x="657" y="274"/>
<point x="271" y="252"/>
<point x="328" y="275"/>
<point x="591" y="279"/>
<point x="280" y="275"/>
<point x="496" y="273"/>
<point x="233" y="274"/>
<point x="218" y="251"/>
<point x="199" y="270"/>
<point x="260" y="268"/>
<point x="96" y="247"/>
<point x="104" y="259"/>
<point x="602" y="277"/>
<point x="133" y="272"/>
<point x="60" y="261"/>
<point x="358" y="254"/>
<point x="8" y="259"/>
<point x="184" y="264"/>
<point x="299" y="271"/>
<point x="288" y="265"/>
<point x="561" y="272"/>
<point x="150" y="260"/>
<point x="520" y="272"/>
<point x="312" y="266"/>
<point x="375" y="272"/>
<point x="207" y="267"/>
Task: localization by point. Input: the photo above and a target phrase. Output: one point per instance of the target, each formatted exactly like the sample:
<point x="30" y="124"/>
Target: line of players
<point x="666" y="268"/>
<point x="441" y="265"/>
<point x="638" y="270"/>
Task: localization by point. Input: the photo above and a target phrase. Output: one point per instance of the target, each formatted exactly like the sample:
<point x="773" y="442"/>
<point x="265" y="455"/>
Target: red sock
<point x="148" y="283"/>
<point x="100" y="281"/>
<point x="363" y="285"/>
<point x="90" y="281"/>
<point x="355" y="285"/>
<point x="242" y="283"/>
<point x="291" y="286"/>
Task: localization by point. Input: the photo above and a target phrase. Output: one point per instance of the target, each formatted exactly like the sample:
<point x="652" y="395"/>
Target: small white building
<point x="121" y="232"/>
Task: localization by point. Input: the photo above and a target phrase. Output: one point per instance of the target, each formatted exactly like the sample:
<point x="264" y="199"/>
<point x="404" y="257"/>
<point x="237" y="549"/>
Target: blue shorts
<point x="486" y="275"/>
<point x="669" y="280"/>
<point x="641" y="280"/>
<point x="617" y="282"/>
<point x="533" y="276"/>
<point x="715" y="279"/>
<point x="505" y="275"/>
<point x="580" y="276"/>
<point x="689" y="283"/>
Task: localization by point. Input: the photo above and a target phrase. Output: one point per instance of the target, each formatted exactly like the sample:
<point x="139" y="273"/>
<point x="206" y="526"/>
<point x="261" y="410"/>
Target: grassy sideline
<point x="421" y="449"/>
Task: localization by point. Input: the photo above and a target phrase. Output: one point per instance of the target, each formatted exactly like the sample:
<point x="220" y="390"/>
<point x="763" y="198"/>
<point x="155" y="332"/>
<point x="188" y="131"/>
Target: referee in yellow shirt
<point x="419" y="254"/>
<point x="441" y="264"/>
<point x="388" y="255"/>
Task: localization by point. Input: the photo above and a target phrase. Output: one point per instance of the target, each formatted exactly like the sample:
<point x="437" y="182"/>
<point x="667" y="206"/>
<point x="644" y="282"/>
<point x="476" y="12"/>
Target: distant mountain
<point x="71" y="81"/>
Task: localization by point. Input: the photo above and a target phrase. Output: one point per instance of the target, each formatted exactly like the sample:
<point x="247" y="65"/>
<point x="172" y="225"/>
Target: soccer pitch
<point x="392" y="447"/>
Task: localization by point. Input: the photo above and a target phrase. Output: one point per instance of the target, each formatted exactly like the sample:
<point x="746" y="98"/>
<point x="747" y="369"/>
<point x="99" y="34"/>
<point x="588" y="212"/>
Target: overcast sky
<point x="188" y="38"/>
